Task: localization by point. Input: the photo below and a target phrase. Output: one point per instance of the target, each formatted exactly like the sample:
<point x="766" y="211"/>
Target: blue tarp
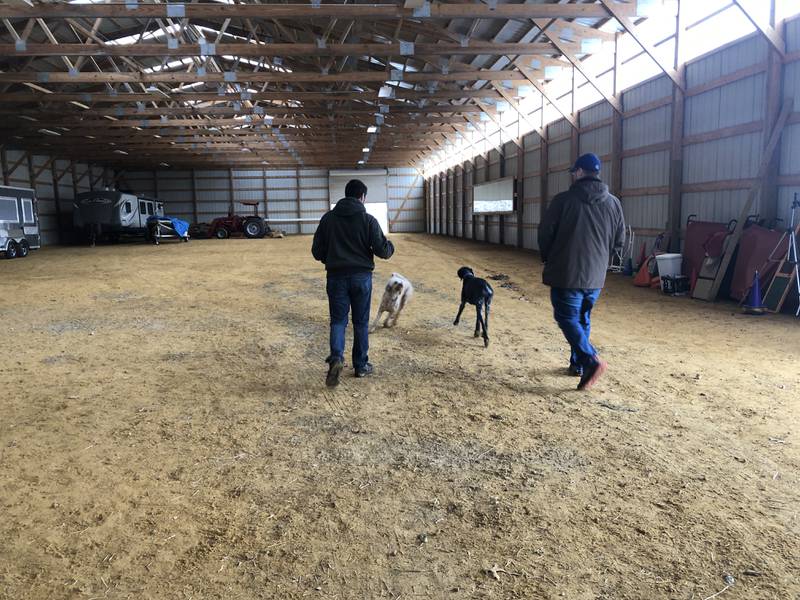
<point x="181" y="227"/>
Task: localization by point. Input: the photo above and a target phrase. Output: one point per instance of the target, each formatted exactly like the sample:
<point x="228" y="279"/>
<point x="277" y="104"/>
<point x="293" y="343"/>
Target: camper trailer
<point x="19" y="222"/>
<point x="108" y="214"/>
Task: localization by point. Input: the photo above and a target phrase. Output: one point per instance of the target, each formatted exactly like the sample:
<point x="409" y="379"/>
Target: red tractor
<point x="250" y="226"/>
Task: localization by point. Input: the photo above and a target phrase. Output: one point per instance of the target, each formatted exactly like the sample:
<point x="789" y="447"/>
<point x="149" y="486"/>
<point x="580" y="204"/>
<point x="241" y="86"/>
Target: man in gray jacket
<point x="579" y="232"/>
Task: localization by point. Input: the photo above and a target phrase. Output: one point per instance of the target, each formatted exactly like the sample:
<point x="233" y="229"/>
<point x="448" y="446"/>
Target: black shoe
<point x="364" y="371"/>
<point x="592" y="374"/>
<point x="575" y="371"/>
<point x="335" y="369"/>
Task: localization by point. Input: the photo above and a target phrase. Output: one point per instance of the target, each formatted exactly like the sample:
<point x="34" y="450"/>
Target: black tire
<point x="253" y="228"/>
<point x="24" y="248"/>
<point x="12" y="250"/>
<point x="221" y="233"/>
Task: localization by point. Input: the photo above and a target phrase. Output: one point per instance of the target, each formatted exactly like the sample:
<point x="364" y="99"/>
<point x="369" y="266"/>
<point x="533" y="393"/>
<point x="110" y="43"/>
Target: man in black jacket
<point x="579" y="232"/>
<point x="346" y="240"/>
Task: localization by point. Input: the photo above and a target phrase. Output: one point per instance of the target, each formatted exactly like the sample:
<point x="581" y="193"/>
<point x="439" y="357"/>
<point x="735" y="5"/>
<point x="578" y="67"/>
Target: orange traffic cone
<point x="642" y="278"/>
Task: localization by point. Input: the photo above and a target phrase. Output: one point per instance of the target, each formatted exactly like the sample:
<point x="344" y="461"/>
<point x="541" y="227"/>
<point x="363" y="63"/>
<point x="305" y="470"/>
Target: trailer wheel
<point x="24" y="248"/>
<point x="12" y="250"/>
<point x="221" y="233"/>
<point x="254" y="228"/>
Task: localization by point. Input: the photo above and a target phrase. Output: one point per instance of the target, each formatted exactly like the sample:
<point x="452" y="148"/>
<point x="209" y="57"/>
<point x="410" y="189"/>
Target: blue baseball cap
<point x="588" y="162"/>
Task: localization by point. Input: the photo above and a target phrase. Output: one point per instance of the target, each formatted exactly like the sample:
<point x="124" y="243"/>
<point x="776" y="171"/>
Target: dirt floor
<point x="166" y="433"/>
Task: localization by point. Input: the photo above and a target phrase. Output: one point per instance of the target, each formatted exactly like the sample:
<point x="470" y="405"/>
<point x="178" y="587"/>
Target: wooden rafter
<point x="627" y="23"/>
<point x="769" y="33"/>
<point x="279" y="49"/>
<point x="577" y="64"/>
<point x="305" y="11"/>
<point x="183" y="82"/>
<point x="256" y="77"/>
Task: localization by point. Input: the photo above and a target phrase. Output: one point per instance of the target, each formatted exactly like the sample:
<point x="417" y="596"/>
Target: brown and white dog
<point x="397" y="294"/>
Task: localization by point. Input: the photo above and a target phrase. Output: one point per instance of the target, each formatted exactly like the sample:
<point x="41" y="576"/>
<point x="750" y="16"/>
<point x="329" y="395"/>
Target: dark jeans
<point x="572" y="309"/>
<point x="345" y="291"/>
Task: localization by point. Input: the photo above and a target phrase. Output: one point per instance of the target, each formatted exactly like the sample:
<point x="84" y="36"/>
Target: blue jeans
<point x="572" y="309"/>
<point x="344" y="292"/>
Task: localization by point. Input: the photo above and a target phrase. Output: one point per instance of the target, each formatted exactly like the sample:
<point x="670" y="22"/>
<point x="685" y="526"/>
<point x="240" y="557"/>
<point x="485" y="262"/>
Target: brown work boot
<point x="592" y="374"/>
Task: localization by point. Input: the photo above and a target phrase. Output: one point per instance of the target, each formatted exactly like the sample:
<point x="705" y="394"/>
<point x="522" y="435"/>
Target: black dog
<point x="478" y="292"/>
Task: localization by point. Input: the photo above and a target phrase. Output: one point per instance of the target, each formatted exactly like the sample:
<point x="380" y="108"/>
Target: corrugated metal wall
<point x="645" y="162"/>
<point x="532" y="199"/>
<point x="509" y="233"/>
<point x="56" y="182"/>
<point x="790" y="143"/>
<point x="202" y="194"/>
<point x="723" y="142"/>
<point x="727" y="159"/>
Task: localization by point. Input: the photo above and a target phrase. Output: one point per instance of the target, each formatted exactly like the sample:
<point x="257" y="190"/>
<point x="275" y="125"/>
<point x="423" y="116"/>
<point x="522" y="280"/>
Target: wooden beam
<point x="577" y="64"/>
<point x="57" y="200"/>
<point x="520" y="193"/>
<point x="437" y="11"/>
<point x="769" y="32"/>
<point x="31" y="175"/>
<point x="769" y="191"/>
<point x="727" y="79"/>
<point x="676" y="168"/>
<point x="230" y="192"/>
<point x="118" y="177"/>
<point x="543" y="184"/>
<point x="251" y="77"/>
<point x="521" y="114"/>
<point x="4" y="165"/>
<point x="474" y="48"/>
<point x="498" y="121"/>
<point x="616" y="128"/>
<point x="45" y="166"/>
<point x="725" y="132"/>
<point x="16" y="164"/>
<point x="79" y="179"/>
<point x="74" y="179"/>
<point x="675" y="201"/>
<point x="92" y="98"/>
<point x="463" y="200"/>
<point x="396" y="113"/>
<point x="627" y="23"/>
<point x="194" y="196"/>
<point x="531" y="77"/>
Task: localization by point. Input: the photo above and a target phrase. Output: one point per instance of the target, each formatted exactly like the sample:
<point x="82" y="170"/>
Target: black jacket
<point x="347" y="238"/>
<point x="579" y="232"/>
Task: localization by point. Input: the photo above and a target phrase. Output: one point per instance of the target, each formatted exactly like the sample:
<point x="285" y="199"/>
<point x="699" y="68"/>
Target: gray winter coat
<point x="579" y="232"/>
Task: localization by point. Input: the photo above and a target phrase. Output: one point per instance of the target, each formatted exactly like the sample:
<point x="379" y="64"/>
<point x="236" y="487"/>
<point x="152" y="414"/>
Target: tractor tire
<point x="221" y="233"/>
<point x="12" y="250"/>
<point x="24" y="248"/>
<point x="253" y="228"/>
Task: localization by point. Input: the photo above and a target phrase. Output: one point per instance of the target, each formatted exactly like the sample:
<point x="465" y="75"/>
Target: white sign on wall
<point x="493" y="197"/>
<point x="379" y="210"/>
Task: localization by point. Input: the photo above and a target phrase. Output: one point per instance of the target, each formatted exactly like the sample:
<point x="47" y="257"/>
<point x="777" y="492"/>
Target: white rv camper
<point x="110" y="214"/>
<point x="19" y="221"/>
